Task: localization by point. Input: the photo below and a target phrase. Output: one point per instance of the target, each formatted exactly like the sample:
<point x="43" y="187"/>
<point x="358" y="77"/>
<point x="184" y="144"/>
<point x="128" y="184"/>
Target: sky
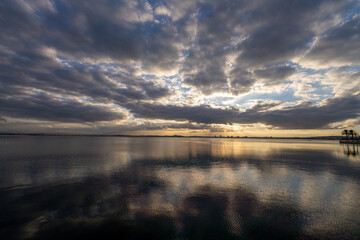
<point x="230" y="68"/>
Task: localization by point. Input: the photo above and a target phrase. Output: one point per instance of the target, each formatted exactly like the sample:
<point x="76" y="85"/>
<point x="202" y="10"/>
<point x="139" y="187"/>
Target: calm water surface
<point x="182" y="188"/>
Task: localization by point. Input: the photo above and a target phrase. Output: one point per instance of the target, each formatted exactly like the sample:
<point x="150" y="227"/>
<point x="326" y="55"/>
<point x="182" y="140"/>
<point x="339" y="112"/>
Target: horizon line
<point x="184" y="136"/>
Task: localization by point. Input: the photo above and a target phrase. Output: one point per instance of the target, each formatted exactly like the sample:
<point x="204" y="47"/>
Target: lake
<point x="68" y="187"/>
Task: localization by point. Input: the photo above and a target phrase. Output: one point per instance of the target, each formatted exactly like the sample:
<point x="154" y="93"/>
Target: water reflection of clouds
<point x="324" y="192"/>
<point x="38" y="161"/>
<point x="182" y="186"/>
<point x="64" y="158"/>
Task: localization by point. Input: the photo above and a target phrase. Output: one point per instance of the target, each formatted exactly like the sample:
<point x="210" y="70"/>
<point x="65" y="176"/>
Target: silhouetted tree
<point x="356" y="135"/>
<point x="346" y="133"/>
<point x="352" y="133"/>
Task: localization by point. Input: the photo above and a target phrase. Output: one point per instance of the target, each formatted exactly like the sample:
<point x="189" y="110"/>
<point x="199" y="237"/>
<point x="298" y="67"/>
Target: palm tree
<point x="352" y="133"/>
<point x="346" y="133"/>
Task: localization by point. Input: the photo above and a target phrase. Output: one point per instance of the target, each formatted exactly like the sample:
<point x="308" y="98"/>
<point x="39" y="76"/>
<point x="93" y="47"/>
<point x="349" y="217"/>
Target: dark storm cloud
<point x="44" y="107"/>
<point x="211" y="79"/>
<point x="275" y="75"/>
<point x="241" y="81"/>
<point x="307" y="115"/>
<point x="199" y="114"/>
<point x="303" y="116"/>
<point x="261" y="106"/>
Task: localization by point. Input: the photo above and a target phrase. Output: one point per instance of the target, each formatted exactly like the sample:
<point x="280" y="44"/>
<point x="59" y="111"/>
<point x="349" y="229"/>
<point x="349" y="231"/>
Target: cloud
<point x="302" y="116"/>
<point x="211" y="79"/>
<point x="274" y="75"/>
<point x="345" y="80"/>
<point x="308" y="115"/>
<point x="135" y="127"/>
<point x="349" y="123"/>
<point x="252" y="36"/>
<point x="339" y="47"/>
<point x="199" y="114"/>
<point x="44" y="107"/>
<point x="119" y="53"/>
<point x="119" y="30"/>
<point x="280" y="31"/>
<point x="28" y="62"/>
<point x="34" y="69"/>
<point x="241" y="81"/>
